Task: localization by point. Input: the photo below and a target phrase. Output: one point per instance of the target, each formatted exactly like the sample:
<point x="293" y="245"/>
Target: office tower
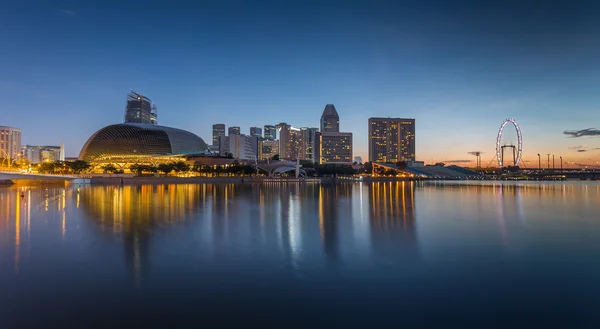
<point x="234" y="130"/>
<point x="307" y="143"/>
<point x="330" y="120"/>
<point x="270" y="132"/>
<point x="333" y="147"/>
<point x="42" y="153"/>
<point x="242" y="147"/>
<point x="255" y="131"/>
<point x="61" y="155"/>
<point x="268" y="148"/>
<point x="391" y="140"/>
<point x="218" y="130"/>
<point x="289" y="141"/>
<point x="10" y="145"/>
<point x="140" y="109"/>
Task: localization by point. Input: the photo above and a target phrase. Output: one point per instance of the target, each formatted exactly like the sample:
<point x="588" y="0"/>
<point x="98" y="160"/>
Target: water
<point x="351" y="255"/>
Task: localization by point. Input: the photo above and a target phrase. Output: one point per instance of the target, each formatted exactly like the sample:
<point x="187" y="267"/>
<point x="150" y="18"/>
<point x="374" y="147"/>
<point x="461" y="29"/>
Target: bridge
<point x="10" y="177"/>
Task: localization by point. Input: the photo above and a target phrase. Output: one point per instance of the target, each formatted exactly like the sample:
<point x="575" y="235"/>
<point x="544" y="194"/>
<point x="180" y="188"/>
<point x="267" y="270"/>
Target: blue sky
<point x="460" y="68"/>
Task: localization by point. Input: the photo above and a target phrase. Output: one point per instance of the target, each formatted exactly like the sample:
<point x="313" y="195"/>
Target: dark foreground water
<point x="356" y="255"/>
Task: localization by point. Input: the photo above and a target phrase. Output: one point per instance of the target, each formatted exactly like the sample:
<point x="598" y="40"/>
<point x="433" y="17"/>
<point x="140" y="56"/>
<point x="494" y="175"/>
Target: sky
<point x="458" y="67"/>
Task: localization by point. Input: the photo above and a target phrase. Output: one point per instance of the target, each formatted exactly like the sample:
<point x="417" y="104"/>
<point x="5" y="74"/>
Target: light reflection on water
<point x="361" y="247"/>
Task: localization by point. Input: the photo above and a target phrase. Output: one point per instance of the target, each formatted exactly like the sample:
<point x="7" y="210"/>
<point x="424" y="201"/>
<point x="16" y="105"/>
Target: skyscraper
<point x="218" y="130"/>
<point x="333" y="147"/>
<point x="391" y="139"/>
<point x="140" y="109"/>
<point x="330" y="120"/>
<point x="255" y="131"/>
<point x="270" y="132"/>
<point x="307" y="143"/>
<point x="234" y="130"/>
<point x="268" y="148"/>
<point x="10" y="145"/>
<point x="289" y="138"/>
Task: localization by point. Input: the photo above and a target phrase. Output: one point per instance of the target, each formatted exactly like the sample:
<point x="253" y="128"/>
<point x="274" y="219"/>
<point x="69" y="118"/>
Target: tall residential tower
<point x="140" y="109"/>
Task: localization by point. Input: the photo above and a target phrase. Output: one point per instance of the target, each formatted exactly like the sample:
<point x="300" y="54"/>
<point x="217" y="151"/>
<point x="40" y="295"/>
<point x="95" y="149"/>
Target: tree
<point x="165" y="168"/>
<point x="401" y="165"/>
<point x="368" y="168"/>
<point x="78" y="166"/>
<point x="180" y="166"/>
<point x="229" y="155"/>
<point x="275" y="157"/>
<point x="439" y="164"/>
<point x="46" y="167"/>
<point x="139" y="168"/>
<point x="109" y="168"/>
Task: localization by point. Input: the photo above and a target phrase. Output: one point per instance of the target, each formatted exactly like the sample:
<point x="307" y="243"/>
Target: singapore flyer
<point x="500" y="148"/>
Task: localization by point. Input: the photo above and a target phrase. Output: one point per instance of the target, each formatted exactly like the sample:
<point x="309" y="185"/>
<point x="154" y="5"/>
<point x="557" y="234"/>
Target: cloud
<point x="581" y="133"/>
<point x="459" y="161"/>
<point x="67" y="11"/>
<point x="578" y="147"/>
<point x="582" y="150"/>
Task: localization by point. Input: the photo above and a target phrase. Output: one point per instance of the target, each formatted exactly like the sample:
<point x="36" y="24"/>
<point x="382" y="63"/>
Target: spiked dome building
<point x="128" y="143"/>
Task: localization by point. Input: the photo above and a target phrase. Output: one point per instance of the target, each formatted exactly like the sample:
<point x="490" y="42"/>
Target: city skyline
<point x="459" y="75"/>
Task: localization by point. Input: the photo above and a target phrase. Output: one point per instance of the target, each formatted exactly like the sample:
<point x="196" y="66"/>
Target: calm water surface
<point x="352" y="255"/>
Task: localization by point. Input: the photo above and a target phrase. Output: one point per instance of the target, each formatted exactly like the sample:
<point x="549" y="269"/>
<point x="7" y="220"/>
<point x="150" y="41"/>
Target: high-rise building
<point x="38" y="153"/>
<point x="234" y="130"/>
<point x="391" y="139"/>
<point x="10" y="145"/>
<point x="333" y="147"/>
<point x="270" y="132"/>
<point x="330" y="120"/>
<point x="307" y="143"/>
<point x="268" y="148"/>
<point x="289" y="141"/>
<point x="218" y="130"/>
<point x="242" y="147"/>
<point x="140" y="109"/>
<point x="255" y="131"/>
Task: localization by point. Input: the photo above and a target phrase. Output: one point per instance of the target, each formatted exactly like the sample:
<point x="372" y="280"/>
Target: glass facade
<point x="140" y="109"/>
<point x="330" y="120"/>
<point x="255" y="131"/>
<point x="218" y="130"/>
<point x="234" y="130"/>
<point x="270" y="132"/>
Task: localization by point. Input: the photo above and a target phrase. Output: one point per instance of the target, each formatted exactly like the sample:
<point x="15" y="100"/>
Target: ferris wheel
<point x="518" y="149"/>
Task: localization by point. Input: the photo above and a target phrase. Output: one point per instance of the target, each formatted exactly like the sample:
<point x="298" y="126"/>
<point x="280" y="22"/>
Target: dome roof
<point x="132" y="140"/>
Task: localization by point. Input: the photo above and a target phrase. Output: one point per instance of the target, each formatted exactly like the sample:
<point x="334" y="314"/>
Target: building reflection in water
<point x="131" y="212"/>
<point x="392" y="218"/>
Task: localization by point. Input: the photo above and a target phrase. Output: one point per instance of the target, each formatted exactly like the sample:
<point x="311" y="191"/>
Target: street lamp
<point x="561" y="168"/>
<point x="539" y="162"/>
<point x="552" y="161"/>
<point x="548" y="160"/>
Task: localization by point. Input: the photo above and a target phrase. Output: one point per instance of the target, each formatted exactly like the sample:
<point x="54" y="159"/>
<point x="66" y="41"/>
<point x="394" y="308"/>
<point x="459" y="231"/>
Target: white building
<point x="43" y="153"/>
<point x="10" y="144"/>
<point x="242" y="147"/>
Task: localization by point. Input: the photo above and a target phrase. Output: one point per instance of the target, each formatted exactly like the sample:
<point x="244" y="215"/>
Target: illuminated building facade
<point x="333" y="147"/>
<point x="38" y="154"/>
<point x="10" y="144"/>
<point x="270" y="132"/>
<point x="391" y="140"/>
<point x="130" y="142"/>
<point x="140" y="109"/>
<point x="268" y="148"/>
<point x="307" y="143"/>
<point x="289" y="141"/>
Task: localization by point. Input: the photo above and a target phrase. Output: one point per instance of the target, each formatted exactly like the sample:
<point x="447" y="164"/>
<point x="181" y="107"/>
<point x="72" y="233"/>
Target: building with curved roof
<point x="134" y="140"/>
